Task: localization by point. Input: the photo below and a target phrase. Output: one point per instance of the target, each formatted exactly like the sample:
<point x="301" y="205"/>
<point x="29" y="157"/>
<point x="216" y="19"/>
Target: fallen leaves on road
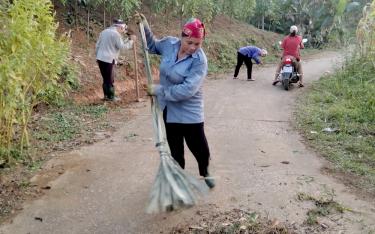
<point x="234" y="221"/>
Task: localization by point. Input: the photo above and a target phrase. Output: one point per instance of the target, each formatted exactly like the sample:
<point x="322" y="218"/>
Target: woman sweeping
<point x="183" y="69"/>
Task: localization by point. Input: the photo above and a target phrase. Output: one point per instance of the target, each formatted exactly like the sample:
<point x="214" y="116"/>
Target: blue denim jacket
<point x="180" y="88"/>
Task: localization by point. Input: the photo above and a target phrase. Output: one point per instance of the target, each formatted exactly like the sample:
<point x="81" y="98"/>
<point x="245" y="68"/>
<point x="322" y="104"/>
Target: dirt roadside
<point x="259" y="160"/>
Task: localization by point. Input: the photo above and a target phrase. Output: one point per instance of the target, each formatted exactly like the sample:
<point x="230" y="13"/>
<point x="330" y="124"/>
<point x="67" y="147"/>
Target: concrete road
<point x="106" y="185"/>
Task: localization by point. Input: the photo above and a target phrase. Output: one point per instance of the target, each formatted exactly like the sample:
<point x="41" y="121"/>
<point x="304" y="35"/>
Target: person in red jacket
<point x="291" y="45"/>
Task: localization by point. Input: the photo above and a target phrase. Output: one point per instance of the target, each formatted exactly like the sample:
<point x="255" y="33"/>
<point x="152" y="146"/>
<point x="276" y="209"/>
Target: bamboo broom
<point x="173" y="188"/>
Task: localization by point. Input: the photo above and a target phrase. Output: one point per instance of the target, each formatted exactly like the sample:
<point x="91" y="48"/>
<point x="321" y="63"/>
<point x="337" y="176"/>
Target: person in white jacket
<point x="108" y="48"/>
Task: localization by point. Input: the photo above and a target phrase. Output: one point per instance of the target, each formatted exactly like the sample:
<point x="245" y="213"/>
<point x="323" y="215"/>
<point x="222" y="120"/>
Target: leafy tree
<point x="263" y="9"/>
<point x="72" y="13"/>
<point x="202" y="9"/>
<point x="319" y="20"/>
<point x="238" y="9"/>
<point x="126" y="7"/>
<point x="352" y="15"/>
<point x="117" y="8"/>
<point x="88" y="5"/>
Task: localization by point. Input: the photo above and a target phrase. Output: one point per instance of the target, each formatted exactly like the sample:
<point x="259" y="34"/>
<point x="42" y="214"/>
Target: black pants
<point x="195" y="139"/>
<point x="108" y="74"/>
<point x="240" y="60"/>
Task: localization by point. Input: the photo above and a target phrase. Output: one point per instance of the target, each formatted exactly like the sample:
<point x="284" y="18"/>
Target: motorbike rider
<point x="291" y="45"/>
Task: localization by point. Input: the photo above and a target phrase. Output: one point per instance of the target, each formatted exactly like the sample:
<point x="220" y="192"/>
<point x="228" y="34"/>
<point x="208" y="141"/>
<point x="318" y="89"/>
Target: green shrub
<point x="32" y="62"/>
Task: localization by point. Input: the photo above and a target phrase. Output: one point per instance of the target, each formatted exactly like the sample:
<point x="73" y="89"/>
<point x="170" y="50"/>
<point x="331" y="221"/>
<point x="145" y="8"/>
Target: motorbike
<point x="288" y="73"/>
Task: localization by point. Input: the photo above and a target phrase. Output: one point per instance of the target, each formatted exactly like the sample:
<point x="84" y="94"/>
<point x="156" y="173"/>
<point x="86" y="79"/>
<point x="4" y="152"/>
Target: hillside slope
<point x="224" y="37"/>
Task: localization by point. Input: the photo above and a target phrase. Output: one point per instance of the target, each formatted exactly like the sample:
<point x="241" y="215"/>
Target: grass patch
<point x="344" y="101"/>
<point x="35" y="165"/>
<point x="8" y="156"/>
<point x="60" y="127"/>
<point x="68" y="122"/>
<point x="324" y="206"/>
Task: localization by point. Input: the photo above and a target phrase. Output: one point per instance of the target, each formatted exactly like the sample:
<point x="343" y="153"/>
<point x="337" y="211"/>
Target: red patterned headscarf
<point x="194" y="28"/>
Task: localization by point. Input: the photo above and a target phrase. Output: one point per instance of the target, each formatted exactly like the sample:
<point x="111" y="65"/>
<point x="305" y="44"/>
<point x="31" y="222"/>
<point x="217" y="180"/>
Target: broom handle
<point x="145" y="51"/>
<point x="158" y="123"/>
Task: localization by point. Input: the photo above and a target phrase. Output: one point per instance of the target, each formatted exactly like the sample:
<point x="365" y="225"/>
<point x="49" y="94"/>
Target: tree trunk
<point x="76" y="14"/>
<point x="181" y="18"/>
<point x="167" y="16"/>
<point x="104" y="14"/>
<point x="88" y="24"/>
<point x="263" y="21"/>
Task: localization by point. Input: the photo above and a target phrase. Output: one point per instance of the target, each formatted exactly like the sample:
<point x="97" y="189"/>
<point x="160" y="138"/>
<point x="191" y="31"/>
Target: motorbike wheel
<point x="285" y="83"/>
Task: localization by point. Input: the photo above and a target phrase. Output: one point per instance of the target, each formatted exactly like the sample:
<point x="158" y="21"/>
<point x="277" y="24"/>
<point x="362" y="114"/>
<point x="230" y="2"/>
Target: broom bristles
<point x="173" y="188"/>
